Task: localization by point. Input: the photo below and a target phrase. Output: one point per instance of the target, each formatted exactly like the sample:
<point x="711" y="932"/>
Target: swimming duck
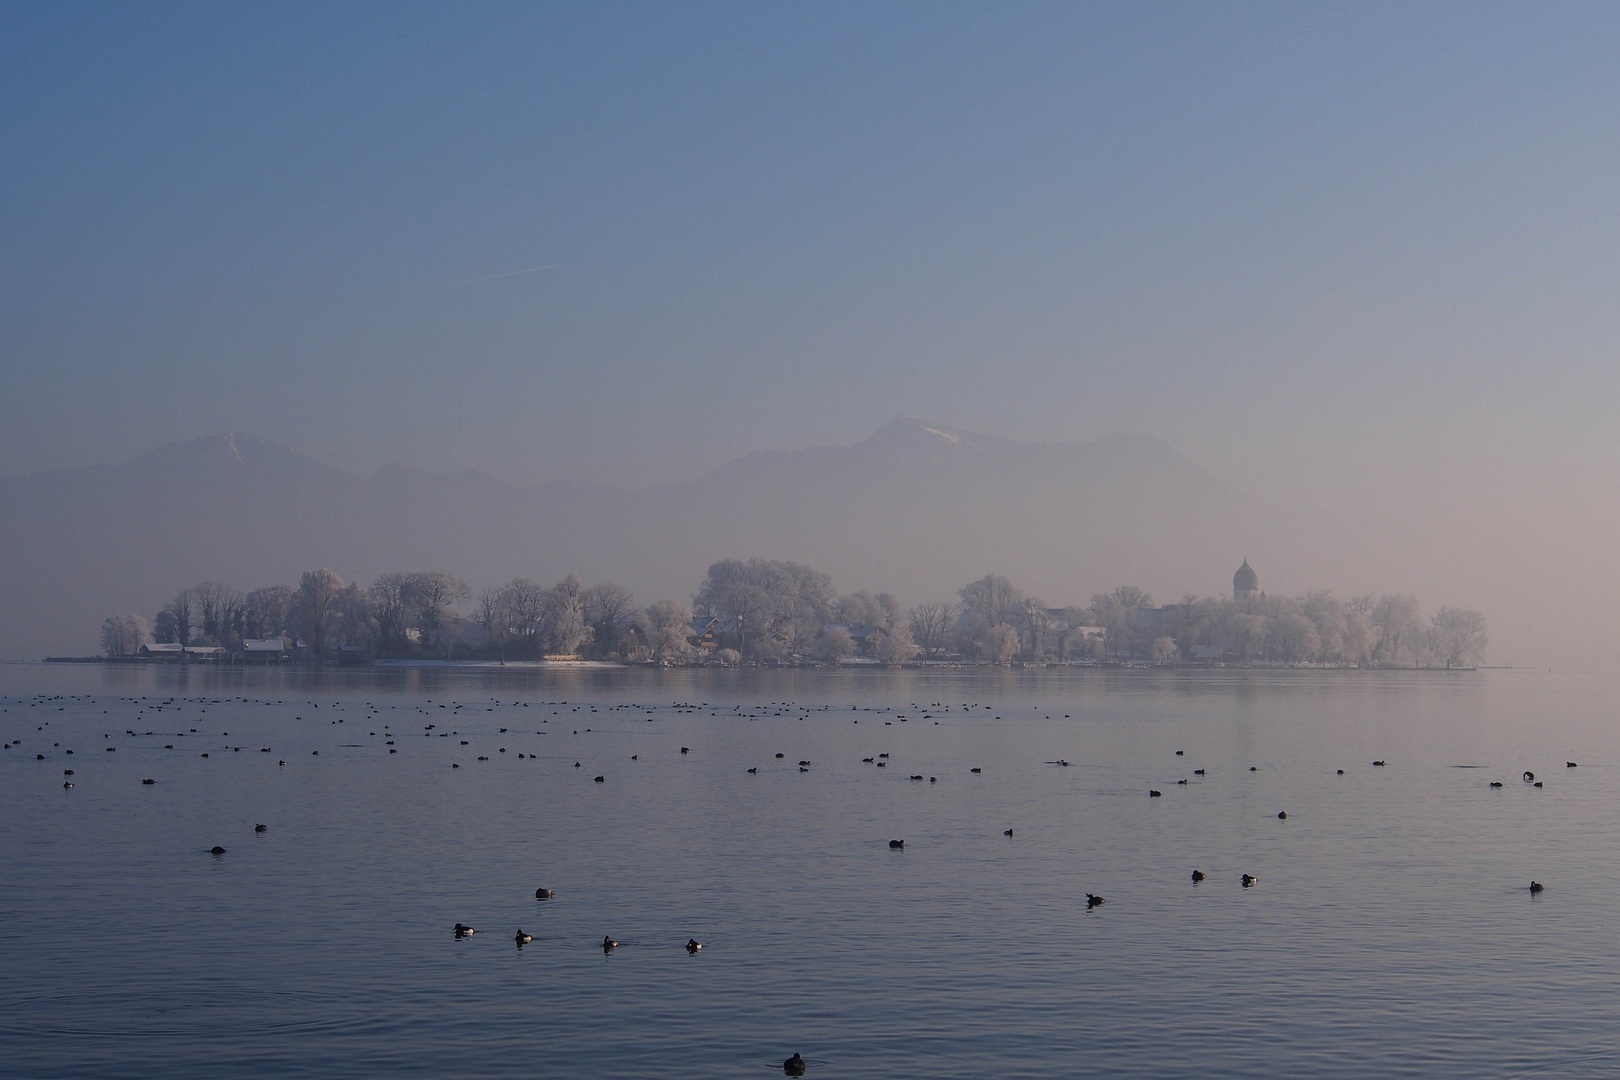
<point x="261" y="828"/>
<point x="1496" y="783"/>
<point x="693" y="945"/>
<point x="897" y="843"/>
<point x="1528" y="776"/>
<point x="794" y="1066"/>
<point x="1007" y="833"/>
<point x="523" y="939"/>
<point x="1380" y="764"/>
<point x="1248" y="879"/>
<point x="1282" y="815"/>
<point x="464" y="931"/>
<point x="1092" y="900"/>
<point x="1570" y="764"/>
<point x="215" y="850"/>
<point x="1154" y="794"/>
<point x="148" y="780"/>
<point x="543" y="894"/>
<point x="753" y="770"/>
<point x="1197" y="875"/>
<point x="970" y="770"/>
<point x="1536" y="886"/>
<point x="608" y="943"/>
<point x="1198" y="772"/>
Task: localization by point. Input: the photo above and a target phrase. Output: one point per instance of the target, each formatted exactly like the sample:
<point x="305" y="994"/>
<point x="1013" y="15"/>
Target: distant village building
<point x="264" y="650"/>
<point x="1245" y="584"/>
<point x="173" y="652"/>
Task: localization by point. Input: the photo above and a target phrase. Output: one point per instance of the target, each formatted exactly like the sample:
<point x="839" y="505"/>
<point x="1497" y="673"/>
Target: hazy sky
<point x="1359" y="254"/>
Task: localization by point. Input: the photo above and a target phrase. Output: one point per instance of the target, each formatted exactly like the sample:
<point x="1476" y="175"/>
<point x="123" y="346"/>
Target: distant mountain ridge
<point x="919" y="508"/>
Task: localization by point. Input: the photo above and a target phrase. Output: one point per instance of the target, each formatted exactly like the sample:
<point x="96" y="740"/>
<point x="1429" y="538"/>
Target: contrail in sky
<point x="497" y="277"/>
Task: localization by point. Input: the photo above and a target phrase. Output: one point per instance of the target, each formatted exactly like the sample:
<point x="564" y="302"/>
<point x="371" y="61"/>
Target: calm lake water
<point x="1391" y="931"/>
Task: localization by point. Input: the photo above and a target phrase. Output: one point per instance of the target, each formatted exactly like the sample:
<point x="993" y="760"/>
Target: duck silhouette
<point x="464" y="931"/>
<point x="608" y="944"/>
<point x="1528" y="776"/>
<point x="1093" y="900"/>
<point x="522" y="939"/>
<point x="543" y="894"/>
<point x="794" y="1066"/>
<point x="1536" y="886"/>
<point x="1248" y="880"/>
<point x="897" y="844"/>
<point x="1197" y="876"/>
<point x="693" y="945"/>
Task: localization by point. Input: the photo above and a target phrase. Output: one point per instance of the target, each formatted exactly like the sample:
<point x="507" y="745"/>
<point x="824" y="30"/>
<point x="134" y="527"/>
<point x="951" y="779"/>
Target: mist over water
<point x="1391" y="931"/>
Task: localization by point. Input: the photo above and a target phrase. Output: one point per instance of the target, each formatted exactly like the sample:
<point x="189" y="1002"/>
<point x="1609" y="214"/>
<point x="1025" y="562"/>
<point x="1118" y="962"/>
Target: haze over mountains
<point x="918" y="508"/>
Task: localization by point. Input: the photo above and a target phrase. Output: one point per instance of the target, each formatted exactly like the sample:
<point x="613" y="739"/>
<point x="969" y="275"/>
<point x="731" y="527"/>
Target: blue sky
<point x="1294" y="240"/>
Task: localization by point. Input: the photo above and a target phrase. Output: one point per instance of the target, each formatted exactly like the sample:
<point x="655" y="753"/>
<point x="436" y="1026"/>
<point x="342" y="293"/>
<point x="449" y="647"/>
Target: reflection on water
<point x="1388" y="928"/>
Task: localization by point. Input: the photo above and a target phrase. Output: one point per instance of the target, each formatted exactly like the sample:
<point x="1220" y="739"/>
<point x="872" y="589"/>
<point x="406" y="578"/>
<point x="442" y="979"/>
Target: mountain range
<point x="919" y="508"/>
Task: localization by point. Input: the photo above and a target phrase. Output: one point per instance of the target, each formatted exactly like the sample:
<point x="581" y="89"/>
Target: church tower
<point x="1245" y="583"/>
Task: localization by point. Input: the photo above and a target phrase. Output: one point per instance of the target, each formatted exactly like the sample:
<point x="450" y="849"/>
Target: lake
<point x="1391" y="930"/>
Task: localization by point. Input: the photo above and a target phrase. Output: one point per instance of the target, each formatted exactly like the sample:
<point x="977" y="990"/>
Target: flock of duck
<point x="795" y="1065"/>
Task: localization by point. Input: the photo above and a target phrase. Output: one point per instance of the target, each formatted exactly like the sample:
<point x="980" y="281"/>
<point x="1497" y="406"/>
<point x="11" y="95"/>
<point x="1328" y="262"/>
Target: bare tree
<point x="123" y="635"/>
<point x="1117" y="612"/>
<point x="667" y="625"/>
<point x="1460" y="636"/>
<point x="1036" y="623"/>
<point x="835" y="645"/>
<point x="989" y="602"/>
<point x="786" y="599"/>
<point x="999" y="644"/>
<point x="316" y="607"/>
<point x="897" y="646"/>
<point x="932" y="623"/>
<point x="434" y="593"/>
<point x="605" y="608"/>
<point x="181" y="611"/>
<point x="357" y="619"/>
<point x="216" y="602"/>
<point x="1395" y="626"/>
<point x="565" y="628"/>
<point x="265" y="611"/>
<point x="393" y="605"/>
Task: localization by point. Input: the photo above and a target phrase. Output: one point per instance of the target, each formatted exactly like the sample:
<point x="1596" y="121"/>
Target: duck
<point x="1197" y="876"/>
<point x="1154" y="794"/>
<point x="1093" y="900"/>
<point x="1248" y="879"/>
<point x="970" y="770"/>
<point x="1571" y="764"/>
<point x="1528" y="776"/>
<point x="693" y="945"/>
<point x="1380" y="764"/>
<point x="215" y="850"/>
<point x="1536" y="886"/>
<point x="149" y="781"/>
<point x="1007" y="832"/>
<point x="543" y="894"/>
<point x="753" y="770"/>
<point x="1182" y="781"/>
<point x="608" y="944"/>
<point x="1282" y="815"/>
<point x="463" y="930"/>
<point x="897" y="844"/>
<point x="1198" y="772"/>
<point x="523" y="939"/>
<point x="1496" y="783"/>
<point x="794" y="1066"/>
<point x="261" y="828"/>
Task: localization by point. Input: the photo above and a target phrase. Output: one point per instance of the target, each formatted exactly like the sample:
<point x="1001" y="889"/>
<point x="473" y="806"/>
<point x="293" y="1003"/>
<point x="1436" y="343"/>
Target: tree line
<point x="765" y="610"/>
